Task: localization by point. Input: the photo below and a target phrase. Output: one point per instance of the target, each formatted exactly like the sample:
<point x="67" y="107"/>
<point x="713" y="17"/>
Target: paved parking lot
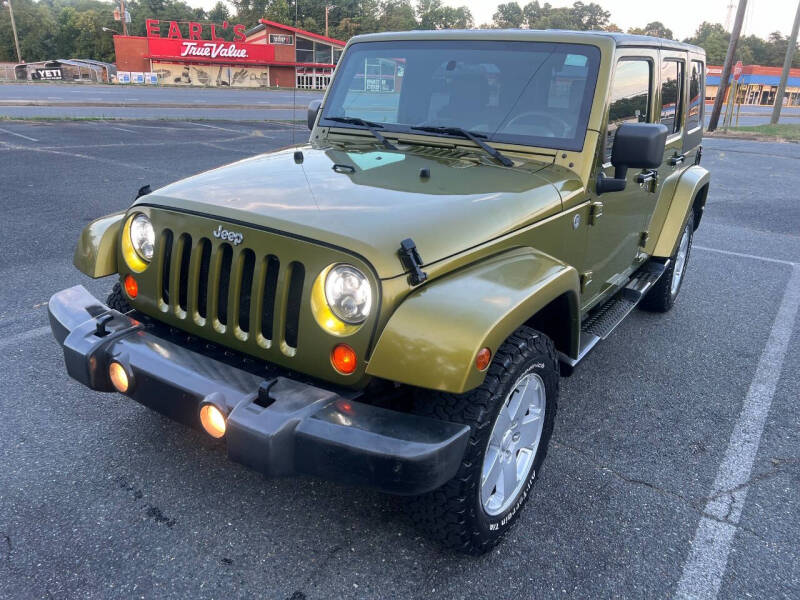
<point x="82" y="100"/>
<point x="674" y="469"/>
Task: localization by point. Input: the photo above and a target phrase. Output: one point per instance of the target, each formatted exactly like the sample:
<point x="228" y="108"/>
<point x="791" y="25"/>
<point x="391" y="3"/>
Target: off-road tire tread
<point x="117" y="300"/>
<point x="442" y="513"/>
<point x="659" y="297"/>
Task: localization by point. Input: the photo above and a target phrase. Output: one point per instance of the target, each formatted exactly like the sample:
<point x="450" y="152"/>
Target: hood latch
<point x="412" y="261"/>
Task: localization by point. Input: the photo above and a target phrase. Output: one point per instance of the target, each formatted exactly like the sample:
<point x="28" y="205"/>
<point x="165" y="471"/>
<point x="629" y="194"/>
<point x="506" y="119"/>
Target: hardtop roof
<point x="619" y="39"/>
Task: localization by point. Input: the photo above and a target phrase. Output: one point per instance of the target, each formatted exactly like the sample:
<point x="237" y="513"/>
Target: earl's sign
<point x="188" y="44"/>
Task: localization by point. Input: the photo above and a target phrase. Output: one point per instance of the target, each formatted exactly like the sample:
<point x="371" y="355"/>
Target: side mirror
<point x="637" y="146"/>
<point x="313" y="109"/>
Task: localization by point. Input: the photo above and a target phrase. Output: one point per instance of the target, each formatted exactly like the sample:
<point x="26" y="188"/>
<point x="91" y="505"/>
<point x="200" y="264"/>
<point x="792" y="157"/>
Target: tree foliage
<point x="51" y="29"/>
<point x="580" y="16"/>
<point x="751" y="50"/>
<point x="655" y="29"/>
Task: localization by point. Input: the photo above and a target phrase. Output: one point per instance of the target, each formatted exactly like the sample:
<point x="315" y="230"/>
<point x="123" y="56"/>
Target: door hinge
<point x="648" y="180"/>
<point x="586" y="279"/>
<point x="595" y="212"/>
<point x="643" y="237"/>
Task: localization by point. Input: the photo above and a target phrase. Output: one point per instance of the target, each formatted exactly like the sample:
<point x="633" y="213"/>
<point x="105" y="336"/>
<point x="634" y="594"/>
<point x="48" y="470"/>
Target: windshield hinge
<point x="412" y="262"/>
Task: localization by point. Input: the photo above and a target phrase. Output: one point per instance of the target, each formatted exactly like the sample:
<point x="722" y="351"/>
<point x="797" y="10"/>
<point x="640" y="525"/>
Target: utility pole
<point x="726" y="69"/>
<point x="14" y="29"/>
<point x="787" y="65"/>
<point x="124" y="19"/>
<point x="326" y="19"/>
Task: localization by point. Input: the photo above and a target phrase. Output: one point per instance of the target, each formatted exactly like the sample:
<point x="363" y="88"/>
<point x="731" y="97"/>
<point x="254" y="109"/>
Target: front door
<point x="618" y="218"/>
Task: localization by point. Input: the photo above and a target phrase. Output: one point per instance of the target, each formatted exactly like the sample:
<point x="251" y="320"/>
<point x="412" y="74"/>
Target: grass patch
<point x="786" y="131"/>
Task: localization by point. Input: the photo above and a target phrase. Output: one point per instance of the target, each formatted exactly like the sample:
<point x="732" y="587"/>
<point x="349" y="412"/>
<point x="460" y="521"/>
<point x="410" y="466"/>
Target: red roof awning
<point x="303" y="32"/>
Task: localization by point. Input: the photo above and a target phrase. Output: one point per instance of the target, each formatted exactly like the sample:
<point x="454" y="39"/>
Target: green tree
<point x="590" y="16"/>
<point x="713" y="38"/>
<point x="655" y="29"/>
<point x="397" y="15"/>
<point x="508" y="16"/>
<point x="36" y="27"/>
<point x="432" y="14"/>
<point x="219" y="13"/>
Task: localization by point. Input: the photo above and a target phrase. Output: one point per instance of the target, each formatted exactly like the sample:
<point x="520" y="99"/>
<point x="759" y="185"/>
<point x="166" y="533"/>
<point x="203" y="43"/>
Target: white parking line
<point x="214" y="127"/>
<point x="25" y="335"/>
<point x="708" y="557"/>
<point x="123" y="129"/>
<point x="745" y="255"/>
<point x="18" y="135"/>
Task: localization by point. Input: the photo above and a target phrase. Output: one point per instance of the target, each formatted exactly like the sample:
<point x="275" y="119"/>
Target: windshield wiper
<point x="369" y="125"/>
<point x="474" y="137"/>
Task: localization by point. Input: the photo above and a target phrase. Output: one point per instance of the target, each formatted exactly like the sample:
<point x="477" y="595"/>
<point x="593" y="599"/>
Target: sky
<point x="682" y="16"/>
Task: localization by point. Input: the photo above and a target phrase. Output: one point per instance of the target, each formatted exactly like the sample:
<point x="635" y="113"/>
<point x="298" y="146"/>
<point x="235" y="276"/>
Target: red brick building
<point x="268" y="55"/>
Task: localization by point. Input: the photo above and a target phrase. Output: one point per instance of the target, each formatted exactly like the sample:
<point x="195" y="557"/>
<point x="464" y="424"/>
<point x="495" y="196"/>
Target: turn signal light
<point x="483" y="359"/>
<point x="213" y="420"/>
<point x="131" y="287"/>
<point x="343" y="359"/>
<point x="118" y="376"/>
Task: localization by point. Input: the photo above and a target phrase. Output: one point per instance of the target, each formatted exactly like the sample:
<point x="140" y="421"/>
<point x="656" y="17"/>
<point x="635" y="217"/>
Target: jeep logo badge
<point x="234" y="237"/>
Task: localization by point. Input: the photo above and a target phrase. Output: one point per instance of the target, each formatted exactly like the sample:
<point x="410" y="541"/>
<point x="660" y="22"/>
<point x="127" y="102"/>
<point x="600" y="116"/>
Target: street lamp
<point x="13" y="28"/>
<point x="110" y="30"/>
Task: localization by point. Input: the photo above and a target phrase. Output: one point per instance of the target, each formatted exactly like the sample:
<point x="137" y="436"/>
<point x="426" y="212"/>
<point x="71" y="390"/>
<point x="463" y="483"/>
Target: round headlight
<point x="143" y="236"/>
<point x="348" y="293"/>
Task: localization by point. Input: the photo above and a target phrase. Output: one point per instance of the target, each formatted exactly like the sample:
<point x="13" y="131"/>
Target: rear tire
<point x="510" y="428"/>
<point x="662" y="295"/>
<point x="117" y="300"/>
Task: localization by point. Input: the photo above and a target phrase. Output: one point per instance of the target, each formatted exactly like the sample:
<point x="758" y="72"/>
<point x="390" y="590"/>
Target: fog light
<point x="343" y="359"/>
<point x="131" y="287"/>
<point x="213" y="420"/>
<point x="118" y="376"/>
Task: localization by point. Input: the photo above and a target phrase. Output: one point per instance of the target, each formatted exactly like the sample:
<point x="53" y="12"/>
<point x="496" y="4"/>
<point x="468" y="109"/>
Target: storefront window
<point x="322" y="53"/>
<point x="304" y="51"/>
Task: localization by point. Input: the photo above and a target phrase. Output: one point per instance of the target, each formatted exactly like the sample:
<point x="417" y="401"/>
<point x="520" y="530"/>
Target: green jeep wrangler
<point x="392" y="304"/>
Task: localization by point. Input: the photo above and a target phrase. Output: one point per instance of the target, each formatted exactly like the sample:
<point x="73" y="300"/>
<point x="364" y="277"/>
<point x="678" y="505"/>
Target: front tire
<point x="662" y="295"/>
<point x="511" y="417"/>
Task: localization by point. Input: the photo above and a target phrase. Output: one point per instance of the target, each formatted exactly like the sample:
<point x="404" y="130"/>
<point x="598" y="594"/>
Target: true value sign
<point x="216" y="50"/>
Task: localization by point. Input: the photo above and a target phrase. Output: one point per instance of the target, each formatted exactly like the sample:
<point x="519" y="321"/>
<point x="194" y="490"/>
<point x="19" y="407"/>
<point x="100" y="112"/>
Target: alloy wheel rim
<point x="680" y="262"/>
<point x="513" y="443"/>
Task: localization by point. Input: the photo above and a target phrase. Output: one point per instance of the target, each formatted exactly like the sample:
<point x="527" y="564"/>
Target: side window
<point x="630" y="97"/>
<point x="696" y="95"/>
<point x="672" y="94"/>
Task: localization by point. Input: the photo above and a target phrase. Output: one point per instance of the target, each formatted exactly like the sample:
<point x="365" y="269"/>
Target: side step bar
<point x="605" y="318"/>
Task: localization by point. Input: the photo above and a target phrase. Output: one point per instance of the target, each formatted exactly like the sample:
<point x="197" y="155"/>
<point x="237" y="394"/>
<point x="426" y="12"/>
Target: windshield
<point x="530" y="93"/>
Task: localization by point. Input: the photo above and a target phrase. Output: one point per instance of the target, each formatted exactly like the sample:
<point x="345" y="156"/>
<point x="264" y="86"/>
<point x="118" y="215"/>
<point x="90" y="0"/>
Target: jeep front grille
<point x="231" y="290"/>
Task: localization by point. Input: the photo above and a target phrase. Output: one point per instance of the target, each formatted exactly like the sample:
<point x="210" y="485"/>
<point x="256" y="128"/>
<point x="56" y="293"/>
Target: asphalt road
<point x="66" y="100"/>
<point x="675" y="458"/>
<point x="71" y="100"/>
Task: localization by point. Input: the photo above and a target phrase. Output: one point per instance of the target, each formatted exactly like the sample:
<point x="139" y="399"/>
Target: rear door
<point x="619" y="218"/>
<point x="695" y="113"/>
<point x="671" y="101"/>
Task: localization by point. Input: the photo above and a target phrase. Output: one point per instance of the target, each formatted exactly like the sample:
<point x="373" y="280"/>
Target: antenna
<point x="294" y="87"/>
<point x="731" y="6"/>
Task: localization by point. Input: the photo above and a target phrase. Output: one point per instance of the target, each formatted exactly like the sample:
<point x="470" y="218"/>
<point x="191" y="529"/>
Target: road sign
<point x="737" y="70"/>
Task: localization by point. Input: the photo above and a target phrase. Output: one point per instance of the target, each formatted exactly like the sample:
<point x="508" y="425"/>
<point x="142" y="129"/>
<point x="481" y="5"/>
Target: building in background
<point x="757" y="85"/>
<point x="268" y="55"/>
<point x="76" y="69"/>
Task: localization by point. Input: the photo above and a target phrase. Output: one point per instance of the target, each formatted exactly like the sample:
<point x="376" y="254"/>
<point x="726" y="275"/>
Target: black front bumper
<point x="277" y="425"/>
